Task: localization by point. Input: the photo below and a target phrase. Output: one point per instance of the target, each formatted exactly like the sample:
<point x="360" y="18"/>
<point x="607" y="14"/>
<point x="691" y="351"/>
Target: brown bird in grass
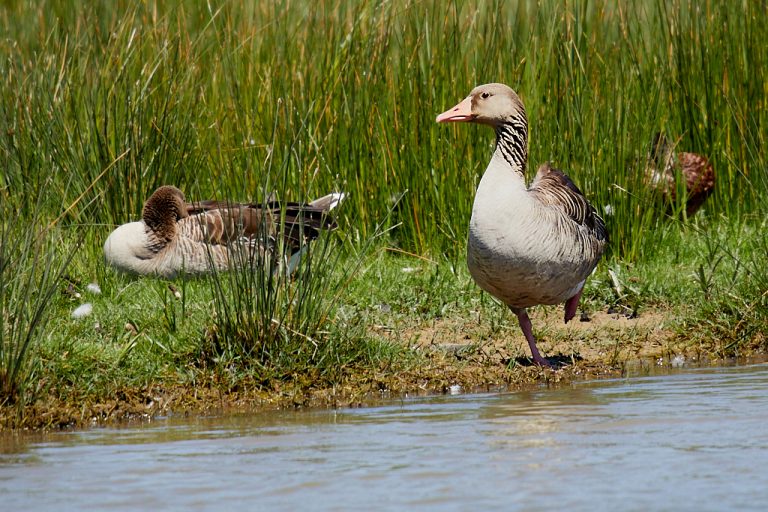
<point x="664" y="165"/>
<point x="176" y="237"/>
<point x="528" y="245"/>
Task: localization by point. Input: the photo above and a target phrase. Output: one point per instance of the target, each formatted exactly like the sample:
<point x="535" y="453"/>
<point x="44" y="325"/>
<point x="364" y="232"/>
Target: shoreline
<point x="607" y="347"/>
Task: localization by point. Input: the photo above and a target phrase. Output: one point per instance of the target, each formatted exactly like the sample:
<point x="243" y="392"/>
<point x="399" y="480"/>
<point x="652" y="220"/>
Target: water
<point x="692" y="440"/>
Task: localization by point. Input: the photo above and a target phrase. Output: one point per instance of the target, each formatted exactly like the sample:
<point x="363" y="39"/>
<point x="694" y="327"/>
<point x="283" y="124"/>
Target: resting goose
<point x="177" y="237"/>
<point x="697" y="171"/>
<point x="527" y="245"/>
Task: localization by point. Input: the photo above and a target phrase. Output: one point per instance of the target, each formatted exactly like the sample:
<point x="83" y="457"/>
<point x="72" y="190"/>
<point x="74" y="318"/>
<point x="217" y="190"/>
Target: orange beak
<point x="459" y="113"/>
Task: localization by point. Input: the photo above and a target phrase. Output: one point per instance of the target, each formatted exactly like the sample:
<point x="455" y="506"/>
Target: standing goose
<point x="527" y="245"/>
<point x="696" y="170"/>
<point x="176" y="237"/>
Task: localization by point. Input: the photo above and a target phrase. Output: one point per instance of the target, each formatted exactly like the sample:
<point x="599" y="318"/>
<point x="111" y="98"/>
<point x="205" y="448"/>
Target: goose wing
<point x="554" y="188"/>
<point x="698" y="172"/>
<point x="220" y="222"/>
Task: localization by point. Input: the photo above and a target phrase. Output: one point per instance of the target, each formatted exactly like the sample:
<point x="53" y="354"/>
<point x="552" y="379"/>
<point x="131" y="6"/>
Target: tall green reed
<point x="31" y="265"/>
<point x="272" y="320"/>
<point x="122" y="98"/>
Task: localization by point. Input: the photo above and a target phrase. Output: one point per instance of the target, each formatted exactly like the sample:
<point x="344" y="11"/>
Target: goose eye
<point x="485" y="95"/>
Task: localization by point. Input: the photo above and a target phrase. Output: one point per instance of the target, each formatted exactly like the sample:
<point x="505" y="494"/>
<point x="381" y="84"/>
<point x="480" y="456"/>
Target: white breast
<point x="129" y="248"/>
<point x="126" y="248"/>
<point x="514" y="251"/>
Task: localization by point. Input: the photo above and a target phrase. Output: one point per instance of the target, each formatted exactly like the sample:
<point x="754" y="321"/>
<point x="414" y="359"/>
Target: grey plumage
<point x="177" y="237"/>
<point x="554" y="188"/>
<point x="527" y="245"/>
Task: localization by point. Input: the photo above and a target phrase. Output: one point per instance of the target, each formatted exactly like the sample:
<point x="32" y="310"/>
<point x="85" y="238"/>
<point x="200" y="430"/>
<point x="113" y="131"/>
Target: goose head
<point x="491" y="104"/>
<point x="133" y="246"/>
<point x="164" y="208"/>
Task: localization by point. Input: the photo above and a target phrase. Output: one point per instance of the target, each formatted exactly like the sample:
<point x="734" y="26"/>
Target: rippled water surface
<point x="693" y="440"/>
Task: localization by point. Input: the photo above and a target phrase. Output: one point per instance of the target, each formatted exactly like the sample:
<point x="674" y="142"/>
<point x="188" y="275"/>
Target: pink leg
<point x="525" y="325"/>
<point x="572" y="304"/>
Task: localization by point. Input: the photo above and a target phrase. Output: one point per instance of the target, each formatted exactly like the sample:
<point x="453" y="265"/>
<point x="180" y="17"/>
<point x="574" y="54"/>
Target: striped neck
<point x="512" y="142"/>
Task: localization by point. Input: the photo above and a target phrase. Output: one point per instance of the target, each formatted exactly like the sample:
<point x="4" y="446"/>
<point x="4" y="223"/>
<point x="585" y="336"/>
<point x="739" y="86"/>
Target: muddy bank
<point x="451" y="356"/>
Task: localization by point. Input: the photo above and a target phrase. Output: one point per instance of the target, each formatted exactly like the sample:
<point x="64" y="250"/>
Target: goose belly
<point x="525" y="267"/>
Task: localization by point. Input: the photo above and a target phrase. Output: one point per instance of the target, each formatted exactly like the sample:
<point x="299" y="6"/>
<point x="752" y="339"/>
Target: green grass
<point x="99" y="106"/>
<point x="31" y="268"/>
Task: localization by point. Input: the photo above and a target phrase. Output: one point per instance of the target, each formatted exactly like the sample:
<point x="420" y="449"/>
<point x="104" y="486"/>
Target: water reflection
<point x="691" y="440"/>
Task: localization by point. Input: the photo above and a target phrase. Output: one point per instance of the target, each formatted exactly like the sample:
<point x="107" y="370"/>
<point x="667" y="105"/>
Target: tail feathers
<point x="329" y="202"/>
<point x="303" y="222"/>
